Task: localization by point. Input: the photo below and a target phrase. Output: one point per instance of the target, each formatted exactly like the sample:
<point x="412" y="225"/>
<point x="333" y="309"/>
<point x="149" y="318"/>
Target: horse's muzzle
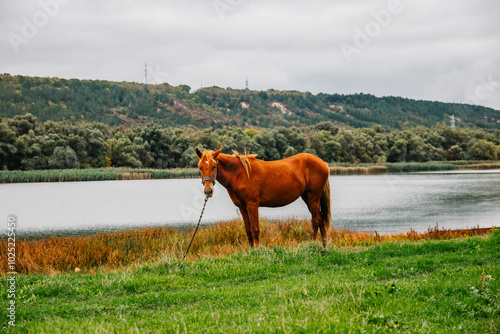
<point x="209" y="192"/>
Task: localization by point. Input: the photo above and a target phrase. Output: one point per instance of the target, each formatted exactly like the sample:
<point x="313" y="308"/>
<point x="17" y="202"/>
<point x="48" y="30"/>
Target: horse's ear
<point x="216" y="153"/>
<point x="198" y="153"/>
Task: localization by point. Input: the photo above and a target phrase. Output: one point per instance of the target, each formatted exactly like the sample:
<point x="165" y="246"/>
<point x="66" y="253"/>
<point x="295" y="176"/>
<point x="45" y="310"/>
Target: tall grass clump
<point x="108" y="250"/>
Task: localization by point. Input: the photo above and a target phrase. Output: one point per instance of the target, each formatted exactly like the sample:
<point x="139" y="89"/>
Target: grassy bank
<point x="439" y="166"/>
<point x="120" y="249"/>
<point x="480" y="166"/>
<point x="96" y="174"/>
<point x="419" y="166"/>
<point x="102" y="174"/>
<point x="431" y="286"/>
<point x="408" y="167"/>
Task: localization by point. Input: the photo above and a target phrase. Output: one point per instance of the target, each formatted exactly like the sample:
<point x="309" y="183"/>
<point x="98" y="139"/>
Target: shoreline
<point x="113" y="173"/>
<point x="120" y="249"/>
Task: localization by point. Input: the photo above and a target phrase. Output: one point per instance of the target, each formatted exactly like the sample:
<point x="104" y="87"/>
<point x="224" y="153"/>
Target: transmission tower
<point x="146" y="73"/>
<point x="246" y="83"/>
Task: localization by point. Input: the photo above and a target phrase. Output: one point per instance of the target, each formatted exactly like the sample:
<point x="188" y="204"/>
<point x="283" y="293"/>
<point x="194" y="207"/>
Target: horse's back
<point x="299" y="163"/>
<point x="302" y="170"/>
<point x="296" y="163"/>
<point x="311" y="164"/>
<point x="312" y="159"/>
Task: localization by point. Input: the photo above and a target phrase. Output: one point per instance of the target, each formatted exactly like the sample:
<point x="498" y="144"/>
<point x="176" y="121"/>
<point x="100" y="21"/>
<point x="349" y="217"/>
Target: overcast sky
<point x="432" y="50"/>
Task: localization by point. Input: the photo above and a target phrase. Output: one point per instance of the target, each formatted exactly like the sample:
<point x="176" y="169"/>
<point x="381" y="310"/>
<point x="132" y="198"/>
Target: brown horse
<point x="252" y="183"/>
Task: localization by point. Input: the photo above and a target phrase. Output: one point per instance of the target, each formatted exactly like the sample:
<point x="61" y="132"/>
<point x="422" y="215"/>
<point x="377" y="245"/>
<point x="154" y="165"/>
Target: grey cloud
<point x="429" y="50"/>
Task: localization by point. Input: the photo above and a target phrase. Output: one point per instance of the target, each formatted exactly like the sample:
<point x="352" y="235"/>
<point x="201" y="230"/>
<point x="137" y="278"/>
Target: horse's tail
<point x="324" y="206"/>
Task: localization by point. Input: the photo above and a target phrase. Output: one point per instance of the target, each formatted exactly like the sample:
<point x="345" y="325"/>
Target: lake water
<point x="387" y="203"/>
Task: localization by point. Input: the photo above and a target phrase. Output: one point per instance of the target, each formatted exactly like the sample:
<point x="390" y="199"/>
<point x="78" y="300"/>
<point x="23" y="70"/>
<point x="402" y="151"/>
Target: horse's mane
<point x="245" y="160"/>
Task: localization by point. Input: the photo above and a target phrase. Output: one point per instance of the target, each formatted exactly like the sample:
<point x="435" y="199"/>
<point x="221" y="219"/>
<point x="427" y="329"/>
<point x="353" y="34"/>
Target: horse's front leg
<point x="246" y="220"/>
<point x="253" y="215"/>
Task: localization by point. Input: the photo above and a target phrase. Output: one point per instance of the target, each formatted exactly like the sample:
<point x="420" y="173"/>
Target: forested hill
<point x="125" y="103"/>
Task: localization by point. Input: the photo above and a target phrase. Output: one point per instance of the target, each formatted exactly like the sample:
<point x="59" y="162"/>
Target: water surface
<point x="386" y="203"/>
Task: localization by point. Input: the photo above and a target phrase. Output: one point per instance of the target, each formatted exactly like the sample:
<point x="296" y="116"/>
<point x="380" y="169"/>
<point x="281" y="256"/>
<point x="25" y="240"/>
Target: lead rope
<point x="199" y="220"/>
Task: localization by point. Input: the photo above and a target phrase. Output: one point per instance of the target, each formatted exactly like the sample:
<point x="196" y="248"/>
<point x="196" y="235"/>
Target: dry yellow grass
<point x="492" y="165"/>
<point x="134" y="176"/>
<point x="109" y="250"/>
<point x="358" y="170"/>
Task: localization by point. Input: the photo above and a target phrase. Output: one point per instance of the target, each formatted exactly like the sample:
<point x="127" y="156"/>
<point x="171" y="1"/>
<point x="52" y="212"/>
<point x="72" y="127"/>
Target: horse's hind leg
<point x="322" y="228"/>
<point x="314" y="220"/>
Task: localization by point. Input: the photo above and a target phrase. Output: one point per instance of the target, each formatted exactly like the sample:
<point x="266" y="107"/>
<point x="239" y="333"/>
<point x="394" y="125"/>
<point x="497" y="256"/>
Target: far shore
<point x="117" y="173"/>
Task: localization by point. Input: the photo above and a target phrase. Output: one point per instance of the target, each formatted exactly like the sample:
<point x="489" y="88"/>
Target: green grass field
<point x="428" y="287"/>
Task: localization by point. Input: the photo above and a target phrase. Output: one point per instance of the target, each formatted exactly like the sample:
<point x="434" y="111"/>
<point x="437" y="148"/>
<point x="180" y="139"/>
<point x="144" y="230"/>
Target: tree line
<point x="128" y="103"/>
<point x="27" y="143"/>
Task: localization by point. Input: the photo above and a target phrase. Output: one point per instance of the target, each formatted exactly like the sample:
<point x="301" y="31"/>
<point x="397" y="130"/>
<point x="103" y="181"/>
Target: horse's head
<point x="208" y="168"/>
